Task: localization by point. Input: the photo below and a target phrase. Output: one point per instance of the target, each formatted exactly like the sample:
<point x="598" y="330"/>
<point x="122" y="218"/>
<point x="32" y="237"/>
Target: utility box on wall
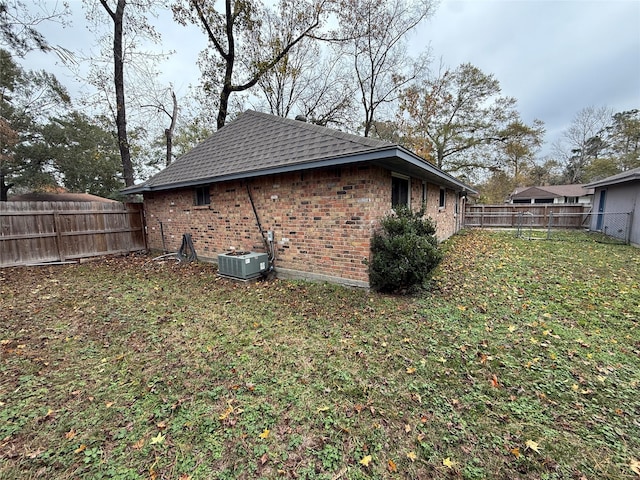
<point x="242" y="265"/>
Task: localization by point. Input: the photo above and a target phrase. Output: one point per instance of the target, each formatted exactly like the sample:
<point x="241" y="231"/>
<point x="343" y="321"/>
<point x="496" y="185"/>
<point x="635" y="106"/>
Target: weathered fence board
<point x="537" y="216"/>
<point x="41" y="232"/>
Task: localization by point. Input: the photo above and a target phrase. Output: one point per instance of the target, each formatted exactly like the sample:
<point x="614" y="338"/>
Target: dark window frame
<point x="400" y="190"/>
<point x="202" y="196"/>
<point x="442" y="203"/>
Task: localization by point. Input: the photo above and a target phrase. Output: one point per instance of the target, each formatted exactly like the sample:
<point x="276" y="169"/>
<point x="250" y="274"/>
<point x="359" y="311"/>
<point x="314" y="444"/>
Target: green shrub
<point x="404" y="252"/>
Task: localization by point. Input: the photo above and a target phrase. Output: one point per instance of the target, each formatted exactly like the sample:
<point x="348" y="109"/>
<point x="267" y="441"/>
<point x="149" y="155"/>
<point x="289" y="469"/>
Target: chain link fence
<point x="610" y="227"/>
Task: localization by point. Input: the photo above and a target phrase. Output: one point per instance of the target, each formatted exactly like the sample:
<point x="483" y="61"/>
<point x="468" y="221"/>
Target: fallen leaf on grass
<point x="407" y="428"/>
<point x="138" y="445"/>
<point x="411" y="370"/>
<point x="226" y="413"/>
<point x="494" y="382"/>
<point x="80" y="449"/>
<point x="265" y="433"/>
<point x="634" y="465"/>
<point x="366" y="460"/>
<point x="70" y="434"/>
<point x="412" y="456"/>
<point x="447" y="462"/>
<point x="392" y="466"/>
<point x="158" y="439"/>
<point x="34" y="454"/>
<point x="531" y="445"/>
<point x="515" y="452"/>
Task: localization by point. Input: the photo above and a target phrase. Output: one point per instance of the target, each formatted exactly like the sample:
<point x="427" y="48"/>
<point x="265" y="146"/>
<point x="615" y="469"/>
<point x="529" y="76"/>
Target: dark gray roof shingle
<point x="257" y="143"/>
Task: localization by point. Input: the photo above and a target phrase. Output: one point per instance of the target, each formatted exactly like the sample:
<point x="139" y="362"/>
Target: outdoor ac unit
<point x="242" y="265"/>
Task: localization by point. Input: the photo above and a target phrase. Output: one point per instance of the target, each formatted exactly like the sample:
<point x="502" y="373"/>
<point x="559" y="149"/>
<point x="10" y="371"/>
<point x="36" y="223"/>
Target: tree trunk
<point x="4" y="188"/>
<point x="121" y="117"/>
<point x="168" y="133"/>
<point x="224" y="105"/>
<point x="230" y="58"/>
<point x="118" y="79"/>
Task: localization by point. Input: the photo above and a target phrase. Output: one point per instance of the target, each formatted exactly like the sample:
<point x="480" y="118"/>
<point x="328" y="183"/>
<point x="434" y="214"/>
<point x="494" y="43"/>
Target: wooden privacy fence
<point x="44" y="232"/>
<point x="529" y="215"/>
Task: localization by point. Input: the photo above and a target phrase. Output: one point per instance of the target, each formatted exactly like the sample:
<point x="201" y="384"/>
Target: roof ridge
<point x="358" y="139"/>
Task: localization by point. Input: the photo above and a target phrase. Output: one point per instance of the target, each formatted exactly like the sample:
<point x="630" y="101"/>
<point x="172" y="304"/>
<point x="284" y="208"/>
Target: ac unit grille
<point x="243" y="266"/>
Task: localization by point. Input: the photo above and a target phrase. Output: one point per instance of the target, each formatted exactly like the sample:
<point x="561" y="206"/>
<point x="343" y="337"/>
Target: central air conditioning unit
<point x="242" y="265"/>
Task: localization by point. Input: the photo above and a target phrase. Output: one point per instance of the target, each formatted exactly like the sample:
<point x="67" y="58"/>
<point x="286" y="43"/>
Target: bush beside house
<point x="404" y="252"/>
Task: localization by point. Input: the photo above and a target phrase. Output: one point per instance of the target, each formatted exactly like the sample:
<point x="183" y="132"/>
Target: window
<point x="399" y="190"/>
<point x="443" y="197"/>
<point x="424" y="194"/>
<point x="202" y="196"/>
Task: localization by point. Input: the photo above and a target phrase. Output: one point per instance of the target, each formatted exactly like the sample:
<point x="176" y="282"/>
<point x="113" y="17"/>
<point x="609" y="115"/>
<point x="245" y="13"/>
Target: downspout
<point x="268" y="243"/>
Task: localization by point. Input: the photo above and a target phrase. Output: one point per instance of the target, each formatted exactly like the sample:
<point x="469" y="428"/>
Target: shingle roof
<point x="552" y="191"/>
<point x="258" y="143"/>
<point x="628" y="176"/>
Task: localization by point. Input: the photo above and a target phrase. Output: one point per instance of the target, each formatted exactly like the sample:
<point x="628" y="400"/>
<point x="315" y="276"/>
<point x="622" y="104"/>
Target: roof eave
<point x="605" y="182"/>
<point x="374" y="155"/>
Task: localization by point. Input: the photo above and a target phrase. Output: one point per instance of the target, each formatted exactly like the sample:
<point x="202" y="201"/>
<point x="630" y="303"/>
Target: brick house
<point x="320" y="191"/>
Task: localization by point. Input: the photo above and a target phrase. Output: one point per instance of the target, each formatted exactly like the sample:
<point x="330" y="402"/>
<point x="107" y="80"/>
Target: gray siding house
<point x="617" y="206"/>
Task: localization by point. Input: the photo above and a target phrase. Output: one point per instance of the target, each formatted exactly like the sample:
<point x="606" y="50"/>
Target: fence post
<point x="627" y="239"/>
<point x="144" y="229"/>
<point x="549" y="225"/>
<point x="58" y="227"/>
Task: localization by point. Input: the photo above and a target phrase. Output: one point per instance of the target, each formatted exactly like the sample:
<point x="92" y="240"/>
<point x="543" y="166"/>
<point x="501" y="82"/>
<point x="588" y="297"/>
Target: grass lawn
<point x="522" y="363"/>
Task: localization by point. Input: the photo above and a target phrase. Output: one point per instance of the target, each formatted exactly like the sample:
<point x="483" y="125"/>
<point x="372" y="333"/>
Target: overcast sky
<point x="555" y="57"/>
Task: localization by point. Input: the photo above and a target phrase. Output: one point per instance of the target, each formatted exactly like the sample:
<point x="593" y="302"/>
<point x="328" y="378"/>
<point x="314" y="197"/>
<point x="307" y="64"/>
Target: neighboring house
<point x="558" y="194"/>
<point x="320" y="191"/>
<point x="617" y="206"/>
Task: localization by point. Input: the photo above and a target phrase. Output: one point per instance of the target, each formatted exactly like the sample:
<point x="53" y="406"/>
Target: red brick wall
<point x="322" y="219"/>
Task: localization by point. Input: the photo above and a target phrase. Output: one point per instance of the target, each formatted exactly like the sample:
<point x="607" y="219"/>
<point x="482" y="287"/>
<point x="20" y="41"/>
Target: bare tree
<point x="120" y="49"/>
<point x="19" y="25"/>
<point x="233" y="63"/>
<point x="117" y="16"/>
<point x="581" y="141"/>
<point x="160" y="107"/>
<point x="310" y="82"/>
<point x="378" y="49"/>
<point x="328" y="97"/>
